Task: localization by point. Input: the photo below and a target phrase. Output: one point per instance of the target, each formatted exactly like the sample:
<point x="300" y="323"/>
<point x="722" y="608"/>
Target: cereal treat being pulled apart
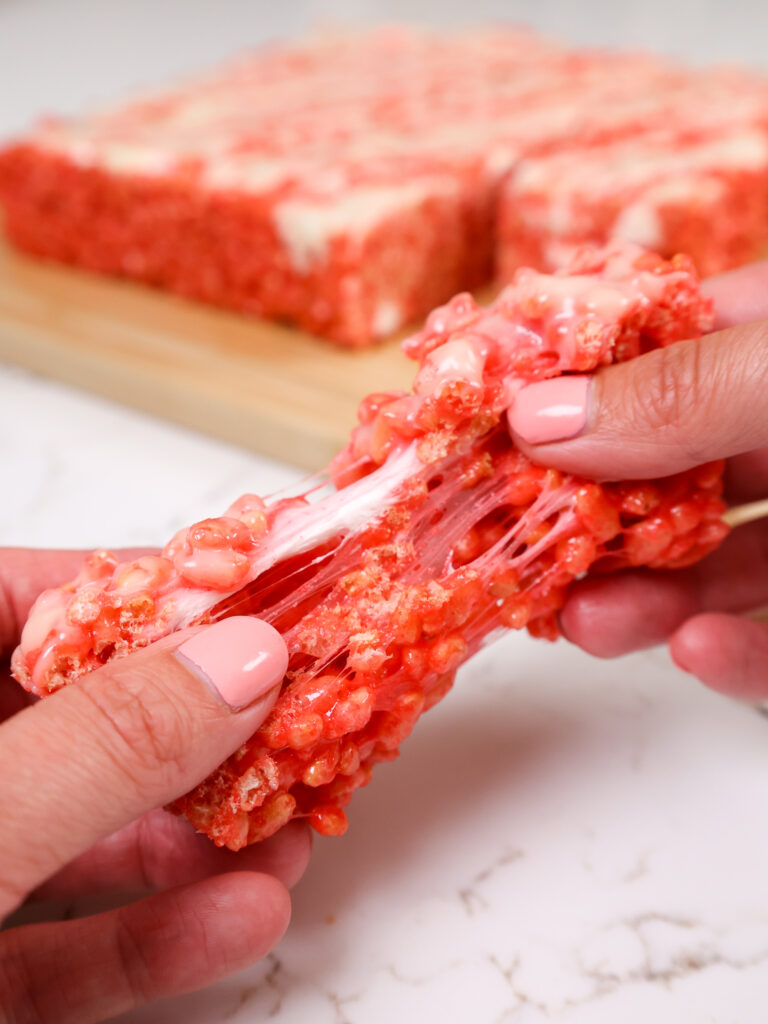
<point x="432" y="534"/>
<point x="350" y="183"/>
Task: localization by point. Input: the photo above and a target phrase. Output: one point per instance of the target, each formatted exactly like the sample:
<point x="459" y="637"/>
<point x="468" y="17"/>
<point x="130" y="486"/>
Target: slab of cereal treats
<point x="350" y="183"/>
<point x="706" y="194"/>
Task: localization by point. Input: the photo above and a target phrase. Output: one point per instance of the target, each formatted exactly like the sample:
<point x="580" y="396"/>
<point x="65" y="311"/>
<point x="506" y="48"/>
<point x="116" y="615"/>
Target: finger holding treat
<point x="434" y="532"/>
<point x="670" y="410"/>
<point x="116" y="745"/>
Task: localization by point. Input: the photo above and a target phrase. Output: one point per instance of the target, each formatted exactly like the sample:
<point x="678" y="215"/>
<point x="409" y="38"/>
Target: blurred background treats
<point x="285" y="396"/>
<point x="62" y="55"/>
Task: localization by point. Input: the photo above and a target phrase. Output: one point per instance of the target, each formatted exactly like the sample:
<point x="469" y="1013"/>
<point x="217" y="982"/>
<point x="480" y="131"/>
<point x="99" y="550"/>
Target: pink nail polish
<point x="241" y="658"/>
<point x="550" y="410"/>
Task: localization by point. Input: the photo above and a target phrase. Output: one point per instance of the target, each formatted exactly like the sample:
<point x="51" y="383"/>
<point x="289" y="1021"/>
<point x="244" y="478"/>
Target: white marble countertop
<point x="562" y="839"/>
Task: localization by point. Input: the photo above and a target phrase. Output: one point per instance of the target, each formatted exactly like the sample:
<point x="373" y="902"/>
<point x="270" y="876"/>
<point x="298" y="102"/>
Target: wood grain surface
<point x="258" y="384"/>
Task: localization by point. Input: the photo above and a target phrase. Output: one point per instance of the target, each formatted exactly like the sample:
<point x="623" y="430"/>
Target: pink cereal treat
<point x="350" y="183"/>
<point x="706" y="195"/>
<point x="431" y="535"/>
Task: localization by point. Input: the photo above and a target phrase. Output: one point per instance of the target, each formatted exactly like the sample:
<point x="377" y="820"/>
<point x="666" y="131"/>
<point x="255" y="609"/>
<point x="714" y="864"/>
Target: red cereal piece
<point x="350" y="184"/>
<point x="387" y="580"/>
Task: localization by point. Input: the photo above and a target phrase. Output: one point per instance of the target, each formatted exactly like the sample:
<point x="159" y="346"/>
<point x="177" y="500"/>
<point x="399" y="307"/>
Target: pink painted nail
<point x="550" y="410"/>
<point x="241" y="658"/>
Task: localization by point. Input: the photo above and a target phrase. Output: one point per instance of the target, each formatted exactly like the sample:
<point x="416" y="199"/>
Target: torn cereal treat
<point x="432" y="534"/>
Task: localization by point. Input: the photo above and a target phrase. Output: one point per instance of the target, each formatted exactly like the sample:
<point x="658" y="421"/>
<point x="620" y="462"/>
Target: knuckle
<point x="667" y="398"/>
<point x="661" y="396"/>
<point x="142" y="844"/>
<point x="702" y="399"/>
<point x="142" y="943"/>
<point x="132" y="962"/>
<point x="140" y="726"/>
<point x="19" y="990"/>
<point x="156" y="852"/>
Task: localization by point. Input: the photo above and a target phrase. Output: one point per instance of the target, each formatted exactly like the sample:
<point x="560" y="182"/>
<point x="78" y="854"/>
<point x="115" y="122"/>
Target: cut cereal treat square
<point x="706" y="196"/>
<point x="350" y="183"/>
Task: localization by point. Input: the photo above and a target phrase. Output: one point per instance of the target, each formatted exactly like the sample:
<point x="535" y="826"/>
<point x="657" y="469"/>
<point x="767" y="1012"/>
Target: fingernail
<point x="241" y="658"/>
<point x="550" y="410"/>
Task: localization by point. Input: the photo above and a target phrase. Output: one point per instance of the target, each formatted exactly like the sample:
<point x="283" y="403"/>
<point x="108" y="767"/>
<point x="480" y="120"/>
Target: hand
<point x="664" y="412"/>
<point x="82" y="775"/>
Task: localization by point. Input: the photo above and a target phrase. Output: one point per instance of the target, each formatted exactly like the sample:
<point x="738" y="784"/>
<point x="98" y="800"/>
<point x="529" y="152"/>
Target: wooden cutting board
<point x="270" y="388"/>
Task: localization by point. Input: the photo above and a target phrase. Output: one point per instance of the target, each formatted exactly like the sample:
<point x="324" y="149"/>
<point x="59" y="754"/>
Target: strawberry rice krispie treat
<point x="431" y="534"/>
<point x="351" y="183"/>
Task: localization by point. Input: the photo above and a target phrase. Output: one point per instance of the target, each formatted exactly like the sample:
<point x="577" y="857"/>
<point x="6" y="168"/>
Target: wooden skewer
<point x="740" y="514"/>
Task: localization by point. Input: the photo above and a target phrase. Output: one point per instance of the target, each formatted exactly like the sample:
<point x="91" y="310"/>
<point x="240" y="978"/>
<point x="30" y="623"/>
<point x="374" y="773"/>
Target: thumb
<point x="662" y="413"/>
<point x="127" y="738"/>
